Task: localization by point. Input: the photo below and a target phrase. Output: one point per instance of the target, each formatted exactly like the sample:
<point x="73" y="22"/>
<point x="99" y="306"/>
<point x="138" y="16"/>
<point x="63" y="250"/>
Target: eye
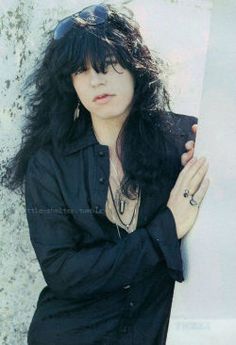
<point x="110" y="62"/>
<point x="79" y="71"/>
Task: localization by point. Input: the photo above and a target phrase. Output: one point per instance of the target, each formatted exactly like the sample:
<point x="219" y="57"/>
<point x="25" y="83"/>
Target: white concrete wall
<point x="178" y="31"/>
<point x="204" y="309"/>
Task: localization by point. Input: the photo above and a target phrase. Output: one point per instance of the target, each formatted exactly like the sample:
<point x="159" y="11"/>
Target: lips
<point x="102" y="96"/>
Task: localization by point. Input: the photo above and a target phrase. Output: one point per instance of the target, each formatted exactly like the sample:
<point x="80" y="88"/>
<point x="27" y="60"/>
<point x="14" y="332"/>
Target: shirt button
<point x="101" y="153"/>
<point x="126" y="286"/>
<point x="101" y="180"/>
<point x="131" y="304"/>
<point x="96" y="208"/>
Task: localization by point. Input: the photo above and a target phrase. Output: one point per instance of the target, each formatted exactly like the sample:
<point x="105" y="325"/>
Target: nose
<point x="96" y="78"/>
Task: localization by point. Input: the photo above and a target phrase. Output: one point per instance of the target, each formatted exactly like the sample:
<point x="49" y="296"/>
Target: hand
<point x="189" y="145"/>
<point x="191" y="177"/>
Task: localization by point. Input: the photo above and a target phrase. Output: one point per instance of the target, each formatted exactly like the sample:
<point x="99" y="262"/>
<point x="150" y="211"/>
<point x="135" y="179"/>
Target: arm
<point x="74" y="273"/>
<point x="185" y="130"/>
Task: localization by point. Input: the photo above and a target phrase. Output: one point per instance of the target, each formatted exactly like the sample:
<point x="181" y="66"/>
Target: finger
<point x="200" y="194"/>
<point x="198" y="178"/>
<point x="189" y="171"/>
<point x="194" y="128"/>
<point x="189" y="144"/>
<point x="182" y="175"/>
<point x="186" y="157"/>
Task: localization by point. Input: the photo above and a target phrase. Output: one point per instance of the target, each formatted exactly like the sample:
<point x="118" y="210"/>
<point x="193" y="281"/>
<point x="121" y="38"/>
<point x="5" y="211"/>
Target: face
<point x="105" y="95"/>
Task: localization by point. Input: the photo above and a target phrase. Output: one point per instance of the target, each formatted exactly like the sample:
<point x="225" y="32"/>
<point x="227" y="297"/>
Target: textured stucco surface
<point x="22" y="28"/>
<point x="205" y="305"/>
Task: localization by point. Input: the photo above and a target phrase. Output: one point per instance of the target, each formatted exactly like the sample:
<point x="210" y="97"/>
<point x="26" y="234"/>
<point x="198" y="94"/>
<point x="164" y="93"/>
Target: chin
<point x="109" y="114"/>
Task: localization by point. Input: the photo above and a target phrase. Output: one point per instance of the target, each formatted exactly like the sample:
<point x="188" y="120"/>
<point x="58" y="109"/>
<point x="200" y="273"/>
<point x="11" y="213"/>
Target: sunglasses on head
<point x="91" y="15"/>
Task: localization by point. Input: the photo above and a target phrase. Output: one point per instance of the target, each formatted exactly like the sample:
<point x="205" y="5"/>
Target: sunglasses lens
<point x="93" y="15"/>
<point x="62" y="28"/>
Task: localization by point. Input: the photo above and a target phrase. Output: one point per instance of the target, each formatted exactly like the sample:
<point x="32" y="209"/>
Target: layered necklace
<point x="121" y="202"/>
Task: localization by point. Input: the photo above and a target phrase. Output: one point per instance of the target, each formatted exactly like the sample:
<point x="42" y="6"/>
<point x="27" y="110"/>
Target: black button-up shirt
<point x="101" y="288"/>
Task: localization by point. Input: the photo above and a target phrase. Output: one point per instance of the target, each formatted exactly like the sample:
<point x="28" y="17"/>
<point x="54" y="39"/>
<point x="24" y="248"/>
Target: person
<point x="110" y="183"/>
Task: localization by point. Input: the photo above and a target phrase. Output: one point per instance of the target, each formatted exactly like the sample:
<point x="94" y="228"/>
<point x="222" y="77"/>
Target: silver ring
<point x="186" y="193"/>
<point x="193" y="202"/>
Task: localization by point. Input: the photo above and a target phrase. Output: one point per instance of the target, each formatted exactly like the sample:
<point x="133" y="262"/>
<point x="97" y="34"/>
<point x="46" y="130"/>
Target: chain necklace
<point x="127" y="226"/>
<point x="121" y="202"/>
<point x="119" y="199"/>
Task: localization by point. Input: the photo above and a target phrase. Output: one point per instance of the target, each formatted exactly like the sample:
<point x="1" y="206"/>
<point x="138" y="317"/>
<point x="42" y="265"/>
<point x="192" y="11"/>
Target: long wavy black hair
<point x="51" y="104"/>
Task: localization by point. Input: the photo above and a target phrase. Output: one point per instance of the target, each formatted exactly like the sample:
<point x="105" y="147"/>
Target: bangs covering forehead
<point x="93" y="47"/>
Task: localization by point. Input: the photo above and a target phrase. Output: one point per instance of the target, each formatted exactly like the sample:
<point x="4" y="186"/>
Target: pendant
<point x="122" y="206"/>
<point x="121" y="203"/>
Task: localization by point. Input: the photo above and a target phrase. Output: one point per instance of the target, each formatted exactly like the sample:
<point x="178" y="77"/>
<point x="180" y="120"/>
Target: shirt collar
<point x="88" y="138"/>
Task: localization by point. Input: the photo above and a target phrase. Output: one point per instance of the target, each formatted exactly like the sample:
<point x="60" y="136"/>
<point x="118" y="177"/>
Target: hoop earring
<point x="77" y="110"/>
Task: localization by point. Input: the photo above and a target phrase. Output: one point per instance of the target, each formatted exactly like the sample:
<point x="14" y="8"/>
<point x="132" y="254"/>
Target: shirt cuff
<point x="162" y="230"/>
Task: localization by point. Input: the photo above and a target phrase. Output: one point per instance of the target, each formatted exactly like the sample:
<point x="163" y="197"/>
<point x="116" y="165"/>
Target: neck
<point x="107" y="130"/>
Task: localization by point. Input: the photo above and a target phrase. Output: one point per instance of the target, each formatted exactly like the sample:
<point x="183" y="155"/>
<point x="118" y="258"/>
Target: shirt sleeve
<point x="183" y="130"/>
<point x="74" y="271"/>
